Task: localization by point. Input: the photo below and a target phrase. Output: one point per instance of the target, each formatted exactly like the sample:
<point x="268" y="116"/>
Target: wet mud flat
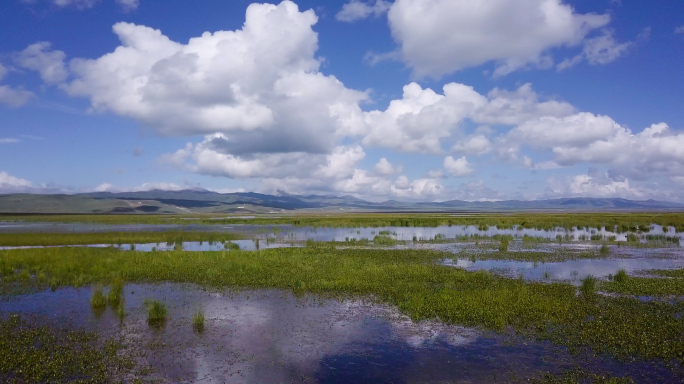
<point x="259" y="336"/>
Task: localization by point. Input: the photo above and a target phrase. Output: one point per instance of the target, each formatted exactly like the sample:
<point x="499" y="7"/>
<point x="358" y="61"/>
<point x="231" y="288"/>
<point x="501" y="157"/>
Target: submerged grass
<point x="198" y="321"/>
<point x="118" y="238"/>
<point x="410" y="279"/>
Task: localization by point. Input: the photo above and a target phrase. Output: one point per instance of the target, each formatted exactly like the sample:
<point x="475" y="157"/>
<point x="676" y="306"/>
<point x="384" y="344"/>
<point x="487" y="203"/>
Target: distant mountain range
<point x="203" y="201"/>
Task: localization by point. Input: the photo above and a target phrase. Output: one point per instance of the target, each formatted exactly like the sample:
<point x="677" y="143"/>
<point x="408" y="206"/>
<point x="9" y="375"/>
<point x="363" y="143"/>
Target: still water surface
<point x="274" y="336"/>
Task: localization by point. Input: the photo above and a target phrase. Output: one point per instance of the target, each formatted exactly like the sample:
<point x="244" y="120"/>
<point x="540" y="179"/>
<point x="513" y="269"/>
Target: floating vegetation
<point x="31" y="353"/>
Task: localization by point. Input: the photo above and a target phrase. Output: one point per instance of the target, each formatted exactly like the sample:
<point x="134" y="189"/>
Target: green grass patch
<point x="676" y="273"/>
<point x="644" y="286"/>
<point x="118" y="238"/>
<point x="579" y="376"/>
<point x="532" y="256"/>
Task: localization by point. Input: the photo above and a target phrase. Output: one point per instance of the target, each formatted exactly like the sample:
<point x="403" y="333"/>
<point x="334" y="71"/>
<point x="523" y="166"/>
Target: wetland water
<point x="569" y="270"/>
<point x="289" y="232"/>
<point x="274" y="336"/>
<point x="630" y="259"/>
<point x="194" y="246"/>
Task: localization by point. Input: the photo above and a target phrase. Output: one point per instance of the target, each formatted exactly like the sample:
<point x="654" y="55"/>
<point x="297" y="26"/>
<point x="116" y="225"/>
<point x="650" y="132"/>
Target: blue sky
<point x="407" y="100"/>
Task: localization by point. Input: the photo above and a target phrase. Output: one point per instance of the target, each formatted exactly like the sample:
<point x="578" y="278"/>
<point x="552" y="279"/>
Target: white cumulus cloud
<point x="422" y="119"/>
<point x="473" y="145"/>
<point x="259" y="86"/>
<point x="438" y="37"/>
<point x="384" y="167"/>
<point x="81" y="4"/>
<point x="164" y="186"/>
<point x="128" y="5"/>
<point x="596" y="185"/>
<point x="49" y="63"/>
<point x="457" y="167"/>
<point x="12" y="97"/>
<point x="598" y="50"/>
<point x="576" y="130"/>
<point x="12" y="184"/>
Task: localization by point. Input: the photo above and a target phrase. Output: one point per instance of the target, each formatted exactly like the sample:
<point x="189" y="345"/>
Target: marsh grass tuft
<point x="157" y="313"/>
<point x="115" y="294"/>
<point x="198" y="321"/>
<point x="588" y="287"/>
<point x="384" y="240"/>
<point x="98" y="301"/>
<point x="503" y="245"/>
<point x="621" y="276"/>
<point x="604" y="250"/>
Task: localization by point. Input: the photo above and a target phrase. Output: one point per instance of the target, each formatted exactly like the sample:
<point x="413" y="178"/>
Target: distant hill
<point x="203" y="201"/>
